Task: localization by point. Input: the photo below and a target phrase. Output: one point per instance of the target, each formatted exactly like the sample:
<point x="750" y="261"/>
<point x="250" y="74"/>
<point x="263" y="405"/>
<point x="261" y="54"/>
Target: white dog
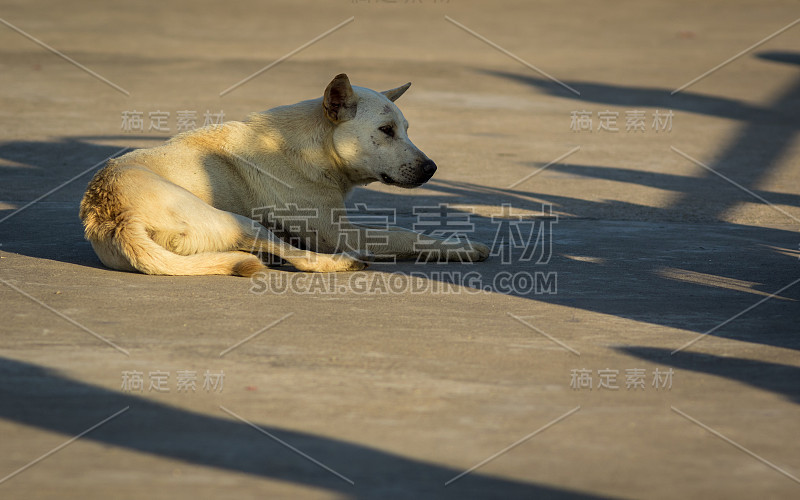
<point x="185" y="208"/>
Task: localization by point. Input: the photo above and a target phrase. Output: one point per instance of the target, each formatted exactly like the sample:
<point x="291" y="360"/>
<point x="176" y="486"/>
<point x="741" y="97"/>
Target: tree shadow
<point x="662" y="98"/>
<point x="748" y="159"/>
<point x="773" y="377"/>
<point x="622" y="278"/>
<point x="659" y="180"/>
<point x="39" y="397"/>
<point x="50" y="229"/>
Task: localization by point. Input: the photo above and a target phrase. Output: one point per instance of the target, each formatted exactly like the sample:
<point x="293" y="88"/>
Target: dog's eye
<point x="388" y="130"/>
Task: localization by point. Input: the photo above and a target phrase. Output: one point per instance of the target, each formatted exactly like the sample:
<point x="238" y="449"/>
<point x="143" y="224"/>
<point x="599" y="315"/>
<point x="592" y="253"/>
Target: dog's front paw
<point x="331" y="263"/>
<point x="363" y="255"/>
<point x="352" y="261"/>
<point x="478" y="252"/>
<point x="470" y="252"/>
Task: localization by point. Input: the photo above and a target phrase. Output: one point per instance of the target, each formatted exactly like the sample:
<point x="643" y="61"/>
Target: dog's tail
<point x="133" y="242"/>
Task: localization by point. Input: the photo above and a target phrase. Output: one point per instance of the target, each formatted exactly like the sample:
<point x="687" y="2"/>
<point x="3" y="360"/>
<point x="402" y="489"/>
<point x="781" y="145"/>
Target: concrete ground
<point x="671" y="285"/>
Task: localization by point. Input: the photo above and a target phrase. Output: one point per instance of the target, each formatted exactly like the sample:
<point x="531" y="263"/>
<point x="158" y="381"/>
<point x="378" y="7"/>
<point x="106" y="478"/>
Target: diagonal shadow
<point x="659" y="180"/>
<point x="655" y="97"/>
<point x="773" y="377"/>
<point x="38" y="397"/>
<point x="749" y="156"/>
<point x="623" y="284"/>
<point x="32" y="167"/>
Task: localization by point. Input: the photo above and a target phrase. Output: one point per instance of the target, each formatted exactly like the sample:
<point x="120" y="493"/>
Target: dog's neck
<point x="303" y="134"/>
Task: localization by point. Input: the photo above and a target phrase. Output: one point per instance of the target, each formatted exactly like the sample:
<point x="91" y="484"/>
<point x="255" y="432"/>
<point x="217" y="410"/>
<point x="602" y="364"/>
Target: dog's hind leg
<point x="153" y="226"/>
<point x="213" y="230"/>
<point x="137" y="221"/>
<point x="133" y="247"/>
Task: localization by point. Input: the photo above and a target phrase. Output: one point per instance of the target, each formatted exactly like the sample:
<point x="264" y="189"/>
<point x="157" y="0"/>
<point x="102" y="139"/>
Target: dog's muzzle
<point x="428" y="169"/>
<point x="424" y="172"/>
<point x="411" y="176"/>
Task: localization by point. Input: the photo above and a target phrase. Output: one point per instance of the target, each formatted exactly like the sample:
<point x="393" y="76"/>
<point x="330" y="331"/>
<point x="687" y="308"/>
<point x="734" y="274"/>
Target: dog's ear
<point x="340" y="101"/>
<point x="395" y="94"/>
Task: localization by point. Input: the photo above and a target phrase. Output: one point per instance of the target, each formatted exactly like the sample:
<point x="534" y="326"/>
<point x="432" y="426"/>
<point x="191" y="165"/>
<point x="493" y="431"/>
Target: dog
<point x="187" y="207"/>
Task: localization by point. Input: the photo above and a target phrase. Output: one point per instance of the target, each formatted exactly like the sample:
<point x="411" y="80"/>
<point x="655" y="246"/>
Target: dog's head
<point x="371" y="135"/>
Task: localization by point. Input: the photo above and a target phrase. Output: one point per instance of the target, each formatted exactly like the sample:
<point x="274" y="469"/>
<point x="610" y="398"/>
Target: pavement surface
<point x="634" y="335"/>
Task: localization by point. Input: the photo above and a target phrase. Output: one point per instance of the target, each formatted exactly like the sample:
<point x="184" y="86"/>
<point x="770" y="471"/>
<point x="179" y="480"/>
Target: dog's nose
<point x="428" y="168"/>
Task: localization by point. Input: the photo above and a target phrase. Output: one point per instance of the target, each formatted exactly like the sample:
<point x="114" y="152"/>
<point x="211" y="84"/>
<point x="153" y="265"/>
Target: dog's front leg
<point x="256" y="238"/>
<point x="404" y="244"/>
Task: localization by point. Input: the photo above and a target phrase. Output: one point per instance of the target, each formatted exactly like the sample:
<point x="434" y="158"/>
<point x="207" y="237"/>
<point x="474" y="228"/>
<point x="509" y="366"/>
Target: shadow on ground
<point x="628" y="269"/>
<point x="622" y="268"/>
<point x="773" y="377"/>
<point x="38" y="397"/>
